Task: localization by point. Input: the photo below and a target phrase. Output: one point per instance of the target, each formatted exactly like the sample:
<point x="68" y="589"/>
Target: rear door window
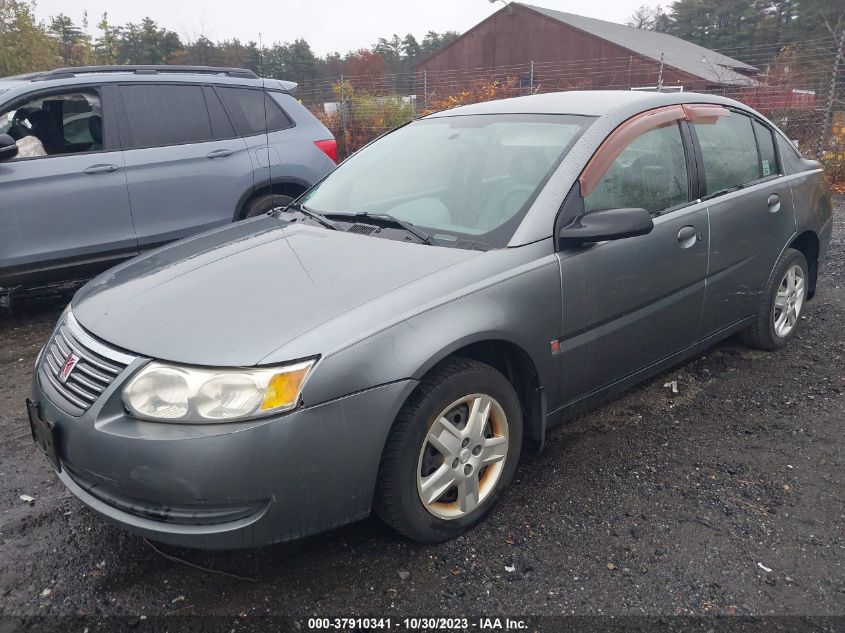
<point x="221" y="125"/>
<point x="729" y="152"/>
<point x="161" y="115"/>
<point x="253" y="111"/>
<point x="650" y="173"/>
<point x="766" y="144"/>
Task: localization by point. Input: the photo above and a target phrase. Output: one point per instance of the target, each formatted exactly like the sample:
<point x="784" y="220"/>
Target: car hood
<point x="232" y="296"/>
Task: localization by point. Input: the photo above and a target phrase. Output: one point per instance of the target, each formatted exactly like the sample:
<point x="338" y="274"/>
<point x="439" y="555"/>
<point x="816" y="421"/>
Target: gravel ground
<point x="727" y="498"/>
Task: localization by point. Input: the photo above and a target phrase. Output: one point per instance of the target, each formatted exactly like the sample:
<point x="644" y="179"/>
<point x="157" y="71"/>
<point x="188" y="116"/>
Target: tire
<point x="765" y="332"/>
<point x="264" y="204"/>
<point x="456" y="388"/>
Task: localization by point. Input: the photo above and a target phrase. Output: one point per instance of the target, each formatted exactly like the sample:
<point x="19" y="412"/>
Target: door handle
<point x="687" y="236"/>
<point x="774" y="203"/>
<point x="220" y="153"/>
<point x="101" y="169"/>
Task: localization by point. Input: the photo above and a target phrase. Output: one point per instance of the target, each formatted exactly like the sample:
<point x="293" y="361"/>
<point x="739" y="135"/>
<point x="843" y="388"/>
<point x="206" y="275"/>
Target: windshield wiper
<point x="317" y="217"/>
<point x="386" y="218"/>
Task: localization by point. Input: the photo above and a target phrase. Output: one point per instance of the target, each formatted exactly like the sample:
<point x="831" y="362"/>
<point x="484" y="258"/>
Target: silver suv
<point x="101" y="163"/>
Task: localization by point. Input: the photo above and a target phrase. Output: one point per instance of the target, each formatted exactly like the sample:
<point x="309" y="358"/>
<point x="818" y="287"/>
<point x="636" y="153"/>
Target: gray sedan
<point x="399" y="336"/>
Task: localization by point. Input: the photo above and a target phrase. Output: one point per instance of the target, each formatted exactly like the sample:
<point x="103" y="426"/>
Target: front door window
<point x="650" y="173"/>
<point x="55" y="124"/>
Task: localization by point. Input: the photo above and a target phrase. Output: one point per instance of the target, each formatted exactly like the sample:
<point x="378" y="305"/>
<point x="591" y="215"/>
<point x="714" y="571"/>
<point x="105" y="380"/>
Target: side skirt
<point x="613" y="390"/>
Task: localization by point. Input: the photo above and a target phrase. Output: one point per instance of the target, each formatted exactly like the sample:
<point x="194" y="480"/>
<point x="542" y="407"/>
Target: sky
<point x="328" y="25"/>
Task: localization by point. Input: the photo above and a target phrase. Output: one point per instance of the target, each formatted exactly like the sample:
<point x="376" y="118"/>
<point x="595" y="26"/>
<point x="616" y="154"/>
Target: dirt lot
<point x="726" y="498"/>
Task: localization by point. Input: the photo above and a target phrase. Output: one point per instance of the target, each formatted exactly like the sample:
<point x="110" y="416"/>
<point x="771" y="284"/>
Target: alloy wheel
<point x="788" y="301"/>
<point x="462" y="456"/>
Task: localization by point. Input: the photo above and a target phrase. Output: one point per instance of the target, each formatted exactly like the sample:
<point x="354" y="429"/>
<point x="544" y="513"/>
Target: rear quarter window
<point x="253" y="111"/>
<point x="768" y="155"/>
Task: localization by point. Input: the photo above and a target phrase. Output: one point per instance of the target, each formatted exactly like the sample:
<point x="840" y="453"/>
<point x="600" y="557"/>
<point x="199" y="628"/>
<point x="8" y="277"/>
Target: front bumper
<point x="225" y="486"/>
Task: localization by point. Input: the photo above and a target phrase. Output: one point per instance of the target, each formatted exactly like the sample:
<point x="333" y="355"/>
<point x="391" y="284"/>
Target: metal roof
<point x="686" y="56"/>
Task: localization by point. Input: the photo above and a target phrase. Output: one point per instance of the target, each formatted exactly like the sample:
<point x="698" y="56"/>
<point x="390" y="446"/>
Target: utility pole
<point x="660" y="75"/>
<point x="831" y="96"/>
<point x="532" y="76"/>
<point x="343" y="113"/>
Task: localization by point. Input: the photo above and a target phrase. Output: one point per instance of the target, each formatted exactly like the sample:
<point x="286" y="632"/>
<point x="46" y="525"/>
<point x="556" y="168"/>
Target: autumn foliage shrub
<point x="487" y="90"/>
<point x="361" y="116"/>
<point x="833" y="155"/>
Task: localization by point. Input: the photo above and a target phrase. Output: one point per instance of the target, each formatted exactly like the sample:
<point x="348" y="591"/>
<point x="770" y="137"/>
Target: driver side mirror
<point x="611" y="224"/>
<point x="8" y="147"/>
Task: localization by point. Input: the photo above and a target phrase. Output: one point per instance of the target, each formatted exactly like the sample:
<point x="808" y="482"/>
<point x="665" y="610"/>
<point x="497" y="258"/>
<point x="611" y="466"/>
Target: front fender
<point x="522" y="308"/>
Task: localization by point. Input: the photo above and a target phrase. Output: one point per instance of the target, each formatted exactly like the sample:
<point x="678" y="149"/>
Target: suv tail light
<point x="329" y="148"/>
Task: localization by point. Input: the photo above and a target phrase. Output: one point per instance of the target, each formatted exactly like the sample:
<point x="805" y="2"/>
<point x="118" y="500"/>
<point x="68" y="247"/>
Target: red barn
<point x="546" y="50"/>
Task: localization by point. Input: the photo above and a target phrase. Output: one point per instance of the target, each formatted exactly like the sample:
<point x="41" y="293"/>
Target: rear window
<point x="165" y="115"/>
<point x="253" y="111"/>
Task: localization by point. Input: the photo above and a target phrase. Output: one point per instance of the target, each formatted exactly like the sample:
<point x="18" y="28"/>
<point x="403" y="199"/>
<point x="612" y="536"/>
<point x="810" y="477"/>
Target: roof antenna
<point x="266" y="125"/>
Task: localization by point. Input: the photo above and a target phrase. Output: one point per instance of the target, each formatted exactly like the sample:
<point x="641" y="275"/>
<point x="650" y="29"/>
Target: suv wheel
<point x="451" y="452"/>
<point x="264" y="204"/>
<point x="783" y="300"/>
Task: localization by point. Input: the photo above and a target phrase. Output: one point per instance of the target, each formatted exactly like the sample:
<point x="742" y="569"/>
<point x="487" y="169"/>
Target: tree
<point x="642" y="17"/>
<point x="817" y="19"/>
<point x="744" y="23"/>
<point x="25" y="44"/>
<point x="433" y="41"/>
<point x="74" y="45"/>
<point x="105" y="46"/>
<point x="363" y="63"/>
<point x="411" y="50"/>
<point x="390" y="52"/>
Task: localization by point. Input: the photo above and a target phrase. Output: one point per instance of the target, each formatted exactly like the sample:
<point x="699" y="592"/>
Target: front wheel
<point x="261" y="205"/>
<point x="451" y="452"/>
<point x="783" y="301"/>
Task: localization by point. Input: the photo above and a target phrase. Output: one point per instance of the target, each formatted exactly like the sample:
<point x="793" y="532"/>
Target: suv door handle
<point x="220" y="153"/>
<point x="687" y="236"/>
<point x="774" y="203"/>
<point x="101" y="169"/>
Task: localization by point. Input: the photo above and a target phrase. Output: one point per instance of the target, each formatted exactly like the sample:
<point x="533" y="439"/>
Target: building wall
<point x="564" y="57"/>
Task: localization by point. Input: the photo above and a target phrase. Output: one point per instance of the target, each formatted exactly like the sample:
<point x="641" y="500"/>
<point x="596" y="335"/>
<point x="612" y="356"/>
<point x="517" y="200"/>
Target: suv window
<point x="766" y="145"/>
<point x="729" y="152"/>
<point x="55" y="124"/>
<point x="650" y="173"/>
<point x="221" y="126"/>
<point x="251" y="113"/>
<point x="165" y="115"/>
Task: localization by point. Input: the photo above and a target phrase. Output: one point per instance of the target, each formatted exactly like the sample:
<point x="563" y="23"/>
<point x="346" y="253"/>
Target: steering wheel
<point x="17" y="130"/>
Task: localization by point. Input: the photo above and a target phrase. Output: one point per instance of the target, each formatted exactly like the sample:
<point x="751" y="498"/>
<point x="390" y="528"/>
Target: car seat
<point x="44" y="127"/>
<point x="95" y="128"/>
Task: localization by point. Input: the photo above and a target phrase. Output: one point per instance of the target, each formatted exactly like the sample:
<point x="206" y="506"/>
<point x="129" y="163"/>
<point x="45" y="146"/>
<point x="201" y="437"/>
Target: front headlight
<point x="170" y="393"/>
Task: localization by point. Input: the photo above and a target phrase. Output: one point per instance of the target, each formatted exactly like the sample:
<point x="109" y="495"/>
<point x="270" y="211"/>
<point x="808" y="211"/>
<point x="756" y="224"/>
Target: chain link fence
<point x="800" y="87"/>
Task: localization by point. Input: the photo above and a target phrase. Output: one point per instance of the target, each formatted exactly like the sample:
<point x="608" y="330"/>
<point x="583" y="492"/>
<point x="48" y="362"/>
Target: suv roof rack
<point x="64" y="73"/>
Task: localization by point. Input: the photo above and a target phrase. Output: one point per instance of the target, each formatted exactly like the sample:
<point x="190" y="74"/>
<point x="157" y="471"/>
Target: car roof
<point x="158" y="73"/>
<point x="583" y="102"/>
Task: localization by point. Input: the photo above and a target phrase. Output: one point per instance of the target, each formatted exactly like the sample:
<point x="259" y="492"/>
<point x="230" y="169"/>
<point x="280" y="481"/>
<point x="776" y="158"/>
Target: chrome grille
<point x="96" y="368"/>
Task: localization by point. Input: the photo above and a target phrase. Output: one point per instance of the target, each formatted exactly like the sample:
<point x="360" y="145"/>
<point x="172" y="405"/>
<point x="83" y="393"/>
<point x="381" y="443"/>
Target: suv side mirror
<point x="611" y="224"/>
<point x="8" y="147"/>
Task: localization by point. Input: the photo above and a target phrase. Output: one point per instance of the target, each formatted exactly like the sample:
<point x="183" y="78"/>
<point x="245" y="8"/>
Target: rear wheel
<point x="783" y="300"/>
<point x="261" y="205"/>
<point x="451" y="452"/>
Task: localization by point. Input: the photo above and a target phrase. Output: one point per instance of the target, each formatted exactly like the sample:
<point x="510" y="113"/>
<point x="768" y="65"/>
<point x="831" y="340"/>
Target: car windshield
<point x="471" y="177"/>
